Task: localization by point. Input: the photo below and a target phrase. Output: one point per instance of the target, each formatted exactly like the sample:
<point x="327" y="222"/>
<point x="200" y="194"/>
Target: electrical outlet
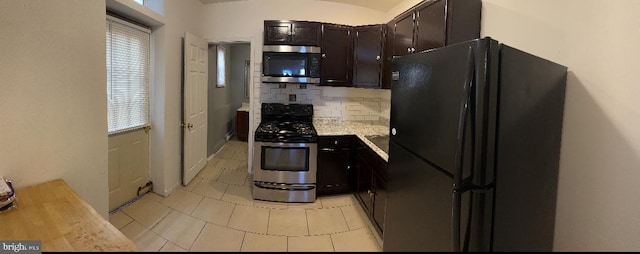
<point x="303" y="86"/>
<point x="282" y="85"/>
<point x="292" y="97"/>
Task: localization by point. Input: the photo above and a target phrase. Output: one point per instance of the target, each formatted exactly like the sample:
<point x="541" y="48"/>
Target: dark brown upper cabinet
<point x="337" y="55"/>
<point x="403" y="34"/>
<point x="286" y="32"/>
<point x="387" y="44"/>
<point x="367" y="56"/>
<point x="436" y="23"/>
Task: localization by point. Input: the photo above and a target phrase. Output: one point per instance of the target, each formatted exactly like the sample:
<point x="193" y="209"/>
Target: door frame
<point x="255" y="56"/>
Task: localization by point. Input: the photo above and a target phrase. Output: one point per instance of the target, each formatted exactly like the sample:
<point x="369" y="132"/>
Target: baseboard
<point x="229" y="135"/>
<point x="171" y="189"/>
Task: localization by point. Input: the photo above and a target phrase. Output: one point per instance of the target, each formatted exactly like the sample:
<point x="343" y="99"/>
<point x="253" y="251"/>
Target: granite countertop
<point x="362" y="130"/>
<point x="244" y="107"/>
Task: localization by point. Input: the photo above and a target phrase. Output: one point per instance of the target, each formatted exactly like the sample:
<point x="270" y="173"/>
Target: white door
<point x="128" y="166"/>
<point x="194" y="106"/>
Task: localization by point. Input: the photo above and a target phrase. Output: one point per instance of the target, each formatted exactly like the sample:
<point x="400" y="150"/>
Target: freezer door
<point x="419" y="205"/>
<point x="425" y="102"/>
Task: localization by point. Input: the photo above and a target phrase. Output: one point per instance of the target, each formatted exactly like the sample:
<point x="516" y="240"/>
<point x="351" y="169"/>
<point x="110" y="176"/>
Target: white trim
<point x="131" y="9"/>
<point x="168" y="192"/>
<point x="127" y="23"/>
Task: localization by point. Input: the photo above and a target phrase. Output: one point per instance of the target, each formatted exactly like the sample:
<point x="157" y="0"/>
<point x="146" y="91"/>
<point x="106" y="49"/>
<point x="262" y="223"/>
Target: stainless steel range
<point x="285" y="151"/>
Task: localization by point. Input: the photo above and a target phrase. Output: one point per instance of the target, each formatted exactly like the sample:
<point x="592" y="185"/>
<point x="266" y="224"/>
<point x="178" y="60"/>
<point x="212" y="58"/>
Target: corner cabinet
<point x="337" y="55"/>
<point x="285" y="32"/>
<point x="370" y="186"/>
<point x="367" y="56"/>
<point x="436" y="23"/>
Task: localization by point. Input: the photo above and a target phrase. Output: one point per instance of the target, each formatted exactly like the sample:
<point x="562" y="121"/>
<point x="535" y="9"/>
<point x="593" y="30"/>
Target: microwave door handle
<point x="465" y="106"/>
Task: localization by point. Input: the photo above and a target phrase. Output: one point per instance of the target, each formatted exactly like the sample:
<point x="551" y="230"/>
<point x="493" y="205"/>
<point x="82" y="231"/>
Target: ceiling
<point x="380" y="5"/>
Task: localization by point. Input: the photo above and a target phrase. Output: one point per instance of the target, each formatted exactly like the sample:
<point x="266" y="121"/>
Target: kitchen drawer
<point x="335" y="142"/>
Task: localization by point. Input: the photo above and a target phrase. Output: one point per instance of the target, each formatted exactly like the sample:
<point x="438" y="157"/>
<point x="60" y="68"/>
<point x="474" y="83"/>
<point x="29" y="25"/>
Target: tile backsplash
<point x="331" y="103"/>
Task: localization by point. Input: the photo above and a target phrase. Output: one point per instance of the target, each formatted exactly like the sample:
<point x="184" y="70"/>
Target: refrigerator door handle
<point x="462" y="126"/>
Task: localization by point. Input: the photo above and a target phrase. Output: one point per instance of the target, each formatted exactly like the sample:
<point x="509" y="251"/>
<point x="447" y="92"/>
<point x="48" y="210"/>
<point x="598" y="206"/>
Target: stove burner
<point x="305" y="131"/>
<point x="269" y="128"/>
<point x="303" y="128"/>
<point x="286" y="123"/>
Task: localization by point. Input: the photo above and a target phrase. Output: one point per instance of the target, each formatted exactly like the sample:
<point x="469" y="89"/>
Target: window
<point x="128" y="64"/>
<point x="221" y="66"/>
<point x="139" y="1"/>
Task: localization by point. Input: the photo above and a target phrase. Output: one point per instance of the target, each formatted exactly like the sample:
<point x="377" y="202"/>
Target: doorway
<point x="229" y="84"/>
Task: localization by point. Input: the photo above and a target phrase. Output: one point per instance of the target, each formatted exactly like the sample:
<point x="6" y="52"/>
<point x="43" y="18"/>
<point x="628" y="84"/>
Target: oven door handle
<point x="333" y="149"/>
<point x="289" y="187"/>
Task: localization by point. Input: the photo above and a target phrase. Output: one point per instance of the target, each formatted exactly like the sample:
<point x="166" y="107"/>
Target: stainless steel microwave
<point x="290" y="64"/>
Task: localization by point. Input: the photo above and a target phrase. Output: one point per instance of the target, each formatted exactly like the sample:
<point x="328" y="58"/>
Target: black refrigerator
<point x="474" y="149"/>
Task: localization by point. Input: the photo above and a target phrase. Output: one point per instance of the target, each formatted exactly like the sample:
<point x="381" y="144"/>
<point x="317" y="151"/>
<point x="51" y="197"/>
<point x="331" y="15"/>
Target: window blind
<point x="128" y="64"/>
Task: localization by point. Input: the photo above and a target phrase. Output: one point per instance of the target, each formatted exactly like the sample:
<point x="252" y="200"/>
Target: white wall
<point x="598" y="199"/>
<point x="246" y="18"/>
<point x="400" y="8"/>
<point x="53" y="121"/>
<point x="165" y="140"/>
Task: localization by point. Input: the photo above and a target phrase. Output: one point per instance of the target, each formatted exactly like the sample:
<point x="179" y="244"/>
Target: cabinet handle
<point x="377" y="58"/>
<point x="408" y="50"/>
<point x="327" y="150"/>
<point x="413" y="50"/>
<point x="324" y="55"/>
<point x="348" y="167"/>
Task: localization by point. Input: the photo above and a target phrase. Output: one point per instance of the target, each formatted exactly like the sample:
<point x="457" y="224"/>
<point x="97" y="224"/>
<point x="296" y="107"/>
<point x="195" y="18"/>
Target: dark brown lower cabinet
<point x="242" y="125"/>
<point x="346" y="164"/>
<point x="334" y="164"/>
<point x="371" y="185"/>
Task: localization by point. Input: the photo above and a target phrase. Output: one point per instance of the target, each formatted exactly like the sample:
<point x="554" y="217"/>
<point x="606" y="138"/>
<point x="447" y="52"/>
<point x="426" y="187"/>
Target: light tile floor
<point x="215" y="212"/>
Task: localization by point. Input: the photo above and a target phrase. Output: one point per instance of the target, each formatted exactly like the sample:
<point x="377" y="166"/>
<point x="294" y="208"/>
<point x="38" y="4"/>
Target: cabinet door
<point x="430" y="26"/>
<point x="379" y="201"/>
<point x="305" y="33"/>
<point x="463" y="20"/>
<point x="367" y="56"/>
<point x="387" y="53"/>
<point x="334" y="164"/>
<point x="337" y="55"/>
<point x="277" y="32"/>
<point x="403" y="35"/>
<point x="363" y="183"/>
<point x="333" y="171"/>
